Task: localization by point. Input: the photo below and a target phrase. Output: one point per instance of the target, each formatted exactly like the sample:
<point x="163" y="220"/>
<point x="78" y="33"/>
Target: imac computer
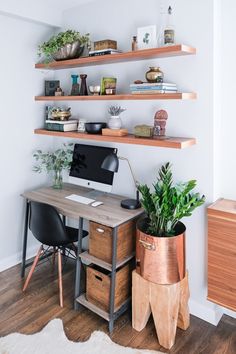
<point x="86" y="168"/>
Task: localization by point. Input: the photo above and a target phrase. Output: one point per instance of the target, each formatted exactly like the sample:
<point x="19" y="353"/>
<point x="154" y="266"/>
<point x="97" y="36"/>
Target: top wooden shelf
<point x="162" y="52"/>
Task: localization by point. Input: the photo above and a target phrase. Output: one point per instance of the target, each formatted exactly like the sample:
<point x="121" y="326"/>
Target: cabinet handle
<point x="101" y="231"/>
<point x="147" y="245"/>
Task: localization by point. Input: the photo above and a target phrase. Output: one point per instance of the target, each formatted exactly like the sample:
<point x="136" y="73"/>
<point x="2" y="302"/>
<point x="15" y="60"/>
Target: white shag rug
<point x="52" y="340"/>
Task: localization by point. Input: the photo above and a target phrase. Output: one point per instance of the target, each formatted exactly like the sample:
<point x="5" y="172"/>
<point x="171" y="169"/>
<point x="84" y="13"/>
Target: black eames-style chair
<point x="47" y="227"/>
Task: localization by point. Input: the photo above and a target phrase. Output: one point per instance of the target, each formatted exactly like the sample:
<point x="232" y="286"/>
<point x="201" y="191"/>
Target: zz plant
<point x="168" y="203"/>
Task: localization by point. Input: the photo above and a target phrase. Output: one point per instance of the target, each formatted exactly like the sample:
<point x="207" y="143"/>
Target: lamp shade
<point x="111" y="163"/>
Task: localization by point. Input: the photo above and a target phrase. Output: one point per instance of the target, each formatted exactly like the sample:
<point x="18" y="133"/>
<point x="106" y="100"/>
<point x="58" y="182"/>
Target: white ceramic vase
<point x="114" y="122"/>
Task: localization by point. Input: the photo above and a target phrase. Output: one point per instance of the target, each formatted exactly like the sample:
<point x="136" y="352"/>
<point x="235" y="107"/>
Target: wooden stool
<point x="168" y="304"/>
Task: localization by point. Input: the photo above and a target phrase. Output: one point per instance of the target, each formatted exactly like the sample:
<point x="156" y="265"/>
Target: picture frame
<point x="108" y="85"/>
<point x="51" y="87"/>
<point x="147" y="37"/>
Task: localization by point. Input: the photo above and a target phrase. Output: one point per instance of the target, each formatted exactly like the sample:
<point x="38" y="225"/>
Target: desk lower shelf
<point x="83" y="301"/>
<point x="85" y="256"/>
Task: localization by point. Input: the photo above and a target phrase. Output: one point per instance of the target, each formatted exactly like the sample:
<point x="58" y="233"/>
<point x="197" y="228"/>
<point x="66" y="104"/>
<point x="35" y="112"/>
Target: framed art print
<point x="147" y="37"/>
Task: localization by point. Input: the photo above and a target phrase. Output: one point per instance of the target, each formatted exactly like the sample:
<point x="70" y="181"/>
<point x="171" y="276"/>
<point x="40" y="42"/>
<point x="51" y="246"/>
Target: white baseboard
<point x="211" y="315"/>
<point x="15" y="259"/>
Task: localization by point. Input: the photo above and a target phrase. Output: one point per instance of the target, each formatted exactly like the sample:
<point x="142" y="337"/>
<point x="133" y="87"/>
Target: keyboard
<point x="79" y="199"/>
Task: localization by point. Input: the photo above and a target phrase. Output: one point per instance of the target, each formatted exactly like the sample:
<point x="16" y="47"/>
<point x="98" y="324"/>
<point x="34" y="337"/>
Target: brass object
<point x="154" y="75"/>
<point x="144" y="131"/>
<point x="58" y="114"/>
<point x="160" y="260"/>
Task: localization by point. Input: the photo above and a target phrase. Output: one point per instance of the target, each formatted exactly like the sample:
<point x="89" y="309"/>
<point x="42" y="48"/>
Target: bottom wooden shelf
<point x="91" y="259"/>
<point x="83" y="301"/>
<point x="168" y="142"/>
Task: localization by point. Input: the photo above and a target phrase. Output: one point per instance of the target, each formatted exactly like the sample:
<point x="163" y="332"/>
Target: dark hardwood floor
<point x="28" y="313"/>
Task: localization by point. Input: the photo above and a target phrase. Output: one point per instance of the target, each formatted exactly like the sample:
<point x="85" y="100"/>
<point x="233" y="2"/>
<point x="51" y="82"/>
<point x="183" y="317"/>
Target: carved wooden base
<point x="167" y="303"/>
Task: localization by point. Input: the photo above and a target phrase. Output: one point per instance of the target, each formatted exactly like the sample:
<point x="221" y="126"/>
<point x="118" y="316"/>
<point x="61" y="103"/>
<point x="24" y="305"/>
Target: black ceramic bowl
<point x="95" y="127"/>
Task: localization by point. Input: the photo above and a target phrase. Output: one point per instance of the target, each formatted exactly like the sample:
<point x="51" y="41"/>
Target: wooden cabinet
<point x="222" y="253"/>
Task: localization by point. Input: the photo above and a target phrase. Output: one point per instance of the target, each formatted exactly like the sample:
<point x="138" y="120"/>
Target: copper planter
<point x="160" y="260"/>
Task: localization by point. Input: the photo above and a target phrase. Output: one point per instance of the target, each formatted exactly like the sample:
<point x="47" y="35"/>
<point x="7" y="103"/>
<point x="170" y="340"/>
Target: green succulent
<point x="58" y="41"/>
<point x="168" y="203"/>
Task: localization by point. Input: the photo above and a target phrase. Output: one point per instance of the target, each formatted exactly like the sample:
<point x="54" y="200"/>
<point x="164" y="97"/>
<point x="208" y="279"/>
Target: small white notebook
<point x="79" y="199"/>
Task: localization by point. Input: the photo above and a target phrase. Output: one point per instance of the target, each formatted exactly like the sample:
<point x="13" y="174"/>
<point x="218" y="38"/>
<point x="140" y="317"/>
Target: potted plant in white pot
<point x="114" y="121"/>
<point x="160" y="247"/>
<point x="65" y="45"/>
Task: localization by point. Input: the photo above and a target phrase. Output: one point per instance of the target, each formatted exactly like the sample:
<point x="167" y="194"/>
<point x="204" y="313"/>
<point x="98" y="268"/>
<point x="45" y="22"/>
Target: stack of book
<point x="95" y="53"/>
<point x="147" y="88"/>
<point x="61" y="126"/>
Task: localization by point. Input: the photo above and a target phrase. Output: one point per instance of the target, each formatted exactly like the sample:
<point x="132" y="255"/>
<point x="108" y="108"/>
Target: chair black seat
<point x="47" y="226"/>
<point x="72" y="234"/>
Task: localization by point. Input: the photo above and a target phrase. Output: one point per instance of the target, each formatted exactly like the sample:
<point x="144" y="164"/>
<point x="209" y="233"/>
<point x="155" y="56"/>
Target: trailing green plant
<point x="168" y="203"/>
<point x="60" y="40"/>
<point x="54" y="161"/>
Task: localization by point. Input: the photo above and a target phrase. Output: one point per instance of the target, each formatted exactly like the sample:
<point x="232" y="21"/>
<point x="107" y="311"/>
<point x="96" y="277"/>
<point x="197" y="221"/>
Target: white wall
<point x="19" y="116"/>
<point x="228" y="168"/>
<point x="44" y="11"/>
<point x="194" y="26"/>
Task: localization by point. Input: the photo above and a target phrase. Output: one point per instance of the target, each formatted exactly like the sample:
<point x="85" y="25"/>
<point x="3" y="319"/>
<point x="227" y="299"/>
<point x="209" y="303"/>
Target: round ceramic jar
<point x="154" y="75"/>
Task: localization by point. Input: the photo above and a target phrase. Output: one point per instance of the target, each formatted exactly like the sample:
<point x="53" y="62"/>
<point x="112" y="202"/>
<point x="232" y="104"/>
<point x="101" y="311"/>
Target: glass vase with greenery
<point x="168" y="203"/>
<point x="55" y="162"/>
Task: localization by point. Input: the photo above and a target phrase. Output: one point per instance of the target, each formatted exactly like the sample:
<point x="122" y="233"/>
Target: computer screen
<point x="86" y="167"/>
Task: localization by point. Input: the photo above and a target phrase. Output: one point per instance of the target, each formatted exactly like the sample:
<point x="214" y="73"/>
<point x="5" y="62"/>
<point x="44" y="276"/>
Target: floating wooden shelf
<point x="91" y="259"/>
<point x="169" y="142"/>
<point x="159" y="96"/>
<point x="163" y="52"/>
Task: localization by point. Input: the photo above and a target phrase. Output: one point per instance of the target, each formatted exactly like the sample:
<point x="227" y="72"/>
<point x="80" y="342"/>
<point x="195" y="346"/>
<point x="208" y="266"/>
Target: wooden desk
<point x="109" y="214"/>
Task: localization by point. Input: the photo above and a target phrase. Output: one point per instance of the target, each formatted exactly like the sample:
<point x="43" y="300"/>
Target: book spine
<point x="153" y="88"/>
<point x="148" y="92"/>
<point x="53" y="126"/>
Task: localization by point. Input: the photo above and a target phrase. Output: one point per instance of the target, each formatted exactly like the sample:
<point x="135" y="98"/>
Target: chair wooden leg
<point x="54" y="256"/>
<point x="60" y="278"/>
<point x="32" y="268"/>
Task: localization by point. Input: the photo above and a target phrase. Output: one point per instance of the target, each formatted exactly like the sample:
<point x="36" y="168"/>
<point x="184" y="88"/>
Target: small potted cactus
<point x="115" y="121"/>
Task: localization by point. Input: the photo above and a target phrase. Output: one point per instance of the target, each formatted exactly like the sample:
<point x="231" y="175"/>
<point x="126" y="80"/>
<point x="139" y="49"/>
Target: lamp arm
<point x="132" y="173"/>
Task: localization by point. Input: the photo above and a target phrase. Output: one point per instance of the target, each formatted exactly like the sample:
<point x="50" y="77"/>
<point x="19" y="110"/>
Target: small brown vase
<point x="154" y="75"/>
<point x="160" y="260"/>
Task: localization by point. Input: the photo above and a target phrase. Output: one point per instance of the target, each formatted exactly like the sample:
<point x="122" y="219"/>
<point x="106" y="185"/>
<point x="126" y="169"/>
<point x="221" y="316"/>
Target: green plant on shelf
<point x="168" y="203"/>
<point x="58" y="41"/>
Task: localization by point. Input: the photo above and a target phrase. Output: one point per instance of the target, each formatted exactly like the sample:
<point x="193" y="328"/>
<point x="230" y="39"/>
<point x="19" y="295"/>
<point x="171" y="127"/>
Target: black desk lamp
<point x="111" y="163"/>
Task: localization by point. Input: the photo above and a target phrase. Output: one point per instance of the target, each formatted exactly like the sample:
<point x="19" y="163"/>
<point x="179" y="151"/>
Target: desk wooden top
<point x="110" y="213"/>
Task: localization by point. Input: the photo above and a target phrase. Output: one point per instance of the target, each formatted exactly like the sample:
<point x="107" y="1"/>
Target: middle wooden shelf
<point x="157" y="96"/>
<point x="168" y="142"/>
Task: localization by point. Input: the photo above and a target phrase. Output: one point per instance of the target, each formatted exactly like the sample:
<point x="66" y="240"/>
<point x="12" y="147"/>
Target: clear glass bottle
<point x="134" y="44"/>
<point x="169" y="32"/>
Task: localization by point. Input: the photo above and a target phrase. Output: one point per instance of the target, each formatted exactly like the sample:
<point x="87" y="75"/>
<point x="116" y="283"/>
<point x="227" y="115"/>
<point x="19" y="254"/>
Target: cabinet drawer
<point x="222" y="261"/>
<point x="100" y="241"/>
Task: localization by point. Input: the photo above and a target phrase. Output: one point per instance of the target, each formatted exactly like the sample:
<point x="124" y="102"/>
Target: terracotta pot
<point x="160" y="260"/>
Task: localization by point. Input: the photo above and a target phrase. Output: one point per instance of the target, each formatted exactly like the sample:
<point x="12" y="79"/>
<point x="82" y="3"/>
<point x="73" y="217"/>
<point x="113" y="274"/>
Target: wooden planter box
<point x="100" y="241"/>
<point x="99" y="282"/>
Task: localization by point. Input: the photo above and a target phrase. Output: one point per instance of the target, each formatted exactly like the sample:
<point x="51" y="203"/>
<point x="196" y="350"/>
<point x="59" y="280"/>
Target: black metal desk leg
<point x="25" y="239"/>
<point x="113" y="280"/>
<point x="78" y="264"/>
